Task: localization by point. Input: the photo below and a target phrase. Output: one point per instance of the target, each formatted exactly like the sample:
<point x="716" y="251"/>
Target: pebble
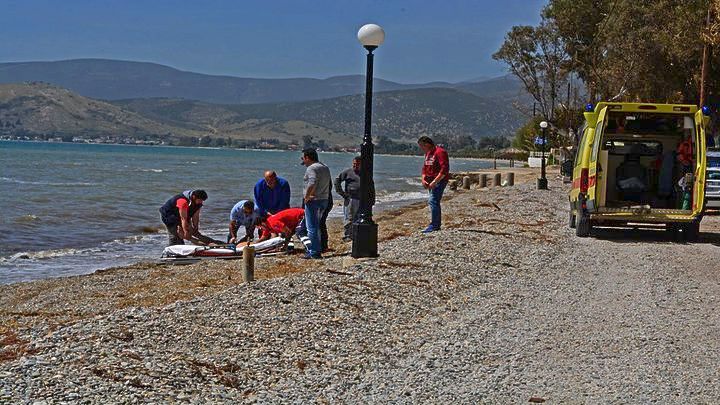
<point x="498" y="307"/>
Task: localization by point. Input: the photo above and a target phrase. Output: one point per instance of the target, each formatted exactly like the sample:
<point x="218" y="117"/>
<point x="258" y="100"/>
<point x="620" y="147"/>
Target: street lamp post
<point x="542" y="183"/>
<point x="364" y="229"/>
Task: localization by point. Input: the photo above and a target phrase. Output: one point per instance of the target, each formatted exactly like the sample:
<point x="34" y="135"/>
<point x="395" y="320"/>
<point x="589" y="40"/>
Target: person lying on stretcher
<point x="286" y="223"/>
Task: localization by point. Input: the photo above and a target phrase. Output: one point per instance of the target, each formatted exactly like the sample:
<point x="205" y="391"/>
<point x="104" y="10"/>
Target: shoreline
<point x="242" y="149"/>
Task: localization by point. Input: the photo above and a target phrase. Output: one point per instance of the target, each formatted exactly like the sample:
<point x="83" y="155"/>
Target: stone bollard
<point x="466" y="183"/>
<point x="453" y="184"/>
<point x="248" y="264"/>
<point x="483" y="180"/>
<point x="510" y="179"/>
<point x="497" y="179"/>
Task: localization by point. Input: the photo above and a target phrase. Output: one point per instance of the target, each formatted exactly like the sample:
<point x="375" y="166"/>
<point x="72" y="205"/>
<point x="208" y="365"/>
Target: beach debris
<point x="342" y="273"/>
<point x="536" y="400"/>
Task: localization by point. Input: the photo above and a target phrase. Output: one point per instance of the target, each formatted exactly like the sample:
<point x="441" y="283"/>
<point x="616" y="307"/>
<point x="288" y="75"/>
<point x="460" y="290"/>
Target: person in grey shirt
<point x="316" y="195"/>
<point x="351" y="194"/>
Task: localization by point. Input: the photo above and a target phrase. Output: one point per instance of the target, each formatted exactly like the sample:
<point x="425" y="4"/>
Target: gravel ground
<point x="504" y="305"/>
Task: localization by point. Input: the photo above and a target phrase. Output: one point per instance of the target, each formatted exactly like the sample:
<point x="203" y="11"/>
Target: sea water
<point x="72" y="209"/>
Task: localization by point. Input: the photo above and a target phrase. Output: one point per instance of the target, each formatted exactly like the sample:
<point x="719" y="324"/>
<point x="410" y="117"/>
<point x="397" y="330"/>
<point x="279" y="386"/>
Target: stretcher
<point x="192" y="253"/>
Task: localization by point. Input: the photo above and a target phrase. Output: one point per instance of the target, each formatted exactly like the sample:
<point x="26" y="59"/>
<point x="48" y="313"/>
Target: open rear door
<point x="700" y="164"/>
<point x="596" y="177"/>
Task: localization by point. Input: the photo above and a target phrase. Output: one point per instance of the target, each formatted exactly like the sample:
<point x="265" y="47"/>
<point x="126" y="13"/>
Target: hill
<point x="39" y="109"/>
<point x="399" y="115"/>
<point x="43" y="109"/>
<point x="114" y="80"/>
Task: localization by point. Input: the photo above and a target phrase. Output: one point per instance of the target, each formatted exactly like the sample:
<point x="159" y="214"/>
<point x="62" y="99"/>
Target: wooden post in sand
<point x="466" y="183"/>
<point x="510" y="178"/>
<point x="497" y="180"/>
<point x="453" y="184"/>
<point x="483" y="180"/>
<point x="248" y="264"/>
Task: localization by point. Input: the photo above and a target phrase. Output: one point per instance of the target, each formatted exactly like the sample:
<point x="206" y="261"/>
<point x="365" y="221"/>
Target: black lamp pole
<point x="364" y="229"/>
<point x="542" y="183"/>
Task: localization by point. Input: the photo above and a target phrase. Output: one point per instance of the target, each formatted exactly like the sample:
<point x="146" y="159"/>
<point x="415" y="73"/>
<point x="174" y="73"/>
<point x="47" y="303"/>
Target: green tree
<point x="538" y="57"/>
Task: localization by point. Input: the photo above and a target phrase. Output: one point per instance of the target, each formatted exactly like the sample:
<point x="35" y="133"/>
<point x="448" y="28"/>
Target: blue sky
<point x="450" y="40"/>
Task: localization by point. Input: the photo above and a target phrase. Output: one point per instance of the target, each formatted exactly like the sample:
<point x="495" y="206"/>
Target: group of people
<point x="271" y="215"/>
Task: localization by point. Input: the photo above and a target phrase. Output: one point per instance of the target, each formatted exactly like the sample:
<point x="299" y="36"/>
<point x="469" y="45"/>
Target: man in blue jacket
<point x="272" y="194"/>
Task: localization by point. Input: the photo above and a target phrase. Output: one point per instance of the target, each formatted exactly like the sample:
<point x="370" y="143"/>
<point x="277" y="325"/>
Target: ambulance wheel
<point x="692" y="231"/>
<point x="583" y="226"/>
<point x="571" y="223"/>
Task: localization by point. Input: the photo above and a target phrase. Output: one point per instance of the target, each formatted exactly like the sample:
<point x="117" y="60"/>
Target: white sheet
<point x="189" y="250"/>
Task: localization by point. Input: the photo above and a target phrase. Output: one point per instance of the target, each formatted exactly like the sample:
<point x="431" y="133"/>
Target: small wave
<point x="150" y="229"/>
<point x="149" y="170"/>
<point x="116" y="245"/>
<point x="27" y="218"/>
<point x="401" y="196"/>
<point x="45" y="183"/>
<point x="409" y="180"/>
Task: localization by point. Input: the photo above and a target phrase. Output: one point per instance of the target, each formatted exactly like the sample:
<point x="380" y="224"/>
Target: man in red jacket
<point x="435" y="173"/>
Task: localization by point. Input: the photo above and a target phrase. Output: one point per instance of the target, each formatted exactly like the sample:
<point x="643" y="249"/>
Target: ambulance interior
<point x="643" y="157"/>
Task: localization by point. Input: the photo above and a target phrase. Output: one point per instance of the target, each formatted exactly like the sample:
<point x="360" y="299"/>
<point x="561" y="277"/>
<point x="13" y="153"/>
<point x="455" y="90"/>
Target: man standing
<point x="435" y="172"/>
<point x="242" y="214"/>
<point x="316" y="192"/>
<point x="272" y="194"/>
<point x="181" y="216"/>
<point x="351" y="194"/>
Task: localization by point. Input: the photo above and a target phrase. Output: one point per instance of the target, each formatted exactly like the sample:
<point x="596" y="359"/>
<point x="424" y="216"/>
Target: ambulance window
<point x="596" y="144"/>
<point x="581" y="147"/>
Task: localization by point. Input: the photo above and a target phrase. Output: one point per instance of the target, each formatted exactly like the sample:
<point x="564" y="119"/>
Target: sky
<point x="444" y="40"/>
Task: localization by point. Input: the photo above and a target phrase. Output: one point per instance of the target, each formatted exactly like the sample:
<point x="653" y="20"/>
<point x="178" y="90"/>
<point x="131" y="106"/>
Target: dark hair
<point x="311" y="154"/>
<point x="259" y="220"/>
<point x="201" y="194"/>
<point x="427" y="140"/>
<point x="358" y="158"/>
<point x="249" y="204"/>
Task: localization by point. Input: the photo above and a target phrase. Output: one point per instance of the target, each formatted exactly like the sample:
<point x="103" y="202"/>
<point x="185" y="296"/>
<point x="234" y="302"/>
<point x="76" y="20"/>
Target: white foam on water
<point x="45" y="183"/>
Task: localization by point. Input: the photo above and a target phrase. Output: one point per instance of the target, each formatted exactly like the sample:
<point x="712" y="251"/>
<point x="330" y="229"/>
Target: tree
<point x="537" y="56"/>
<point x="636" y="51"/>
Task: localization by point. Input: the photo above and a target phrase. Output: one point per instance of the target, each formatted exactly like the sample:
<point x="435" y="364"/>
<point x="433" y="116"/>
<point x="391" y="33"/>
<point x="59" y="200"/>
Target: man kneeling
<point x="287" y="223"/>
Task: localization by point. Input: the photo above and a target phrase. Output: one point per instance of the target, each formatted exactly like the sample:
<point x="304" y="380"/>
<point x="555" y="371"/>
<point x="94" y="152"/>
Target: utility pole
<point x="707" y="50"/>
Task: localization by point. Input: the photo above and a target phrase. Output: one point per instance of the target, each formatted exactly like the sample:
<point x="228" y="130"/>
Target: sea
<point x="76" y="208"/>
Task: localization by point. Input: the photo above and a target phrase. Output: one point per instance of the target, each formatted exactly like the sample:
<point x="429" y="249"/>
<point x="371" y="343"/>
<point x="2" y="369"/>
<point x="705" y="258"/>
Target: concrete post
<point x="497" y="180"/>
<point x="510" y="179"/>
<point x="483" y="180"/>
<point x="248" y="264"/>
<point x="466" y="183"/>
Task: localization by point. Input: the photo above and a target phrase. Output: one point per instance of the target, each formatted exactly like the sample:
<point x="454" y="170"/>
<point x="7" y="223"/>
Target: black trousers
<point x="323" y="226"/>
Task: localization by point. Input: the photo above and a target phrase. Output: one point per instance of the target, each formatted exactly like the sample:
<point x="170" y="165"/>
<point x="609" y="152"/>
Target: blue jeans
<point x="314" y="211"/>
<point x="434" y="204"/>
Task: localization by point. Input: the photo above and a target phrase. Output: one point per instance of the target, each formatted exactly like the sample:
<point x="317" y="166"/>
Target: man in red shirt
<point x="435" y="173"/>
<point x="284" y="222"/>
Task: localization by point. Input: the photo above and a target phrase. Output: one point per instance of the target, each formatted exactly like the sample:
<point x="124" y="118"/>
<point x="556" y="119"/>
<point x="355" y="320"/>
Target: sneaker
<point x="312" y="257"/>
<point x="429" y="229"/>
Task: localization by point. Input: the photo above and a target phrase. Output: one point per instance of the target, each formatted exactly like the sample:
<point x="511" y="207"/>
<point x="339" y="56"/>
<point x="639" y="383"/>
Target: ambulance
<point x="640" y="164"/>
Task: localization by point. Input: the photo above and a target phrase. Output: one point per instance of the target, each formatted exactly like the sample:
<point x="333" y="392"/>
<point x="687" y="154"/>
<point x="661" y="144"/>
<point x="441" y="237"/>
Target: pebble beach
<point x="503" y="305"/>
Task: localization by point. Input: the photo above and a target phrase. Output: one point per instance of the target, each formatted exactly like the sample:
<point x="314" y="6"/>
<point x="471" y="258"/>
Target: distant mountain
<point x="42" y="109"/>
<point x="114" y="80"/>
<point x="34" y="109"/>
<point x="400" y="115"/>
